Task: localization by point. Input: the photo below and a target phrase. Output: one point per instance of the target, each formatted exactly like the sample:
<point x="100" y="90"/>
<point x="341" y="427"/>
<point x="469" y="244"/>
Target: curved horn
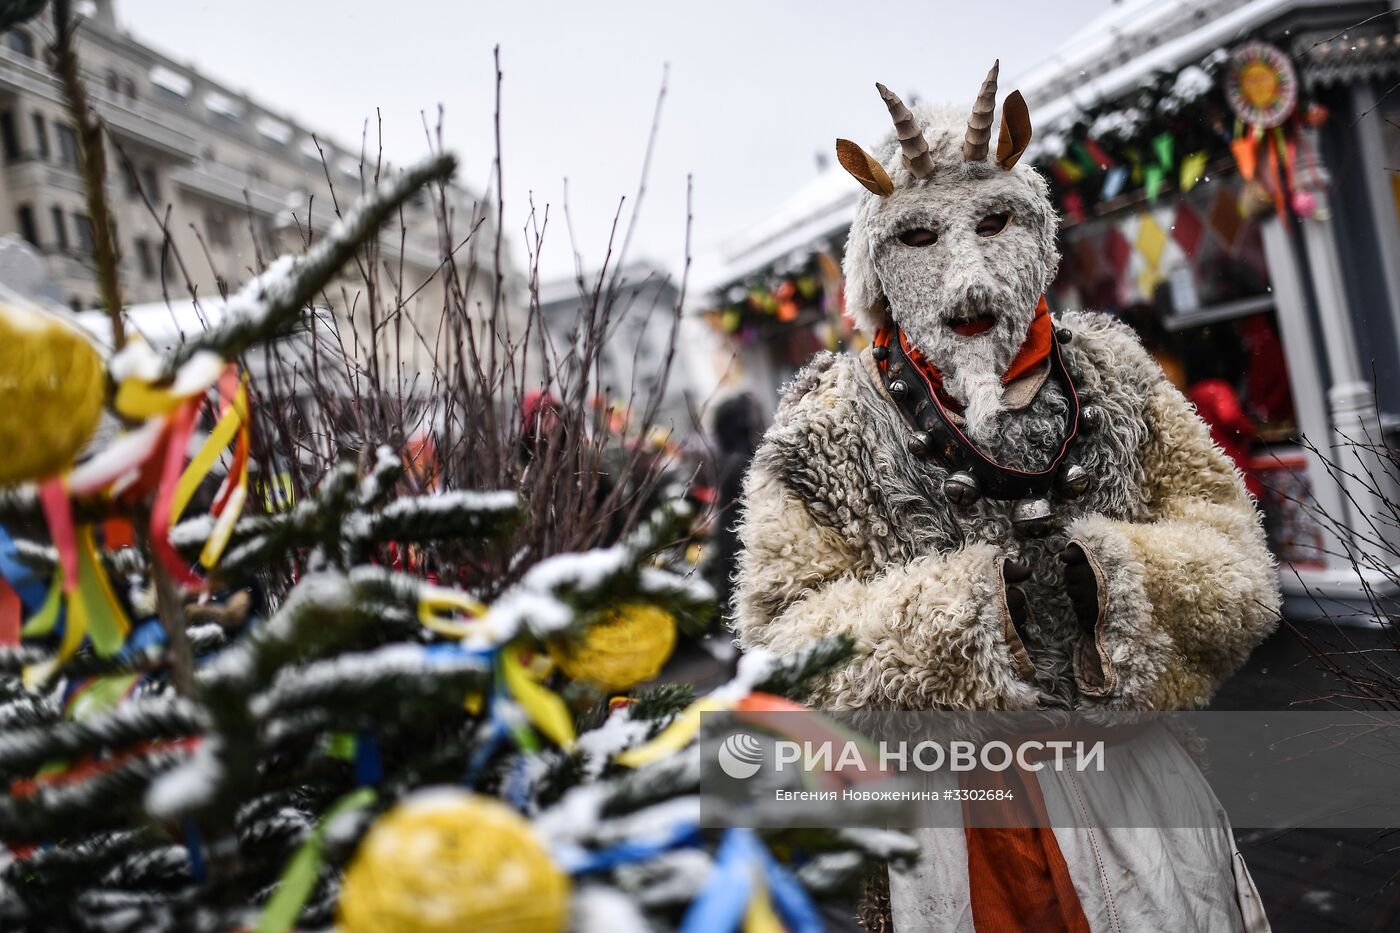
<point x="911" y="138"/>
<point x="979" y="125"/>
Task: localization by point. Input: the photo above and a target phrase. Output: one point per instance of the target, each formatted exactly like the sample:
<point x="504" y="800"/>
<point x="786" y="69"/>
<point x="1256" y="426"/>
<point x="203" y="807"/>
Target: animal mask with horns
<point x="955" y="243"/>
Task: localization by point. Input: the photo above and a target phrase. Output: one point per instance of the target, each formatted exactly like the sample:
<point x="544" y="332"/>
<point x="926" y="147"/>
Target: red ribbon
<point x="177" y="444"/>
<point x="58" y="512"/>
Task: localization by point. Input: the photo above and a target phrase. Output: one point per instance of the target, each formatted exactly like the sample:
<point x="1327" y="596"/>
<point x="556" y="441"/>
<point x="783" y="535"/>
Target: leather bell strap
<point x="915" y="394"/>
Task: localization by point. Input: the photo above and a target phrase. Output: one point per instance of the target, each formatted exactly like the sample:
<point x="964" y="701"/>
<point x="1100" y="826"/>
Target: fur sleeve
<point x="931" y="634"/>
<point x="1186" y="595"/>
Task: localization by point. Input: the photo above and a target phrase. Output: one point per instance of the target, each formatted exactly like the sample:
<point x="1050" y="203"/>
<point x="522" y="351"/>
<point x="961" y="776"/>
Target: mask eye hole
<point x="992" y="224"/>
<point x="919" y="236"/>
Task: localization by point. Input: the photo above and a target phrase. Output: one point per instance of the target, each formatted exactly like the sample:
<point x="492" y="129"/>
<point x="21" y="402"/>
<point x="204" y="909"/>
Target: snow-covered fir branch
<point x="137" y="720"/>
<point x="371" y="679"/>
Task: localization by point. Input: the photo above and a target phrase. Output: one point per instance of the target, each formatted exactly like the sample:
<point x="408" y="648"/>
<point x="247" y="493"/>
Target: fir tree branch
<point x="792" y="675"/>
<point x="145" y="719"/>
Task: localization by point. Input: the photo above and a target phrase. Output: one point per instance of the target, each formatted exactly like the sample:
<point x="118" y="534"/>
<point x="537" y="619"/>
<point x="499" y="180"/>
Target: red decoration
<point x="1187" y="228"/>
<point x="11" y="613"/>
<point x="1119" y="251"/>
<point x="1073" y="203"/>
<point x="1225" y="219"/>
<point x="1096" y="152"/>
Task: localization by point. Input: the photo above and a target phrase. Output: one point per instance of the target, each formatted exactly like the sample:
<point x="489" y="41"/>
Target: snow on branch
<point x="439" y="516"/>
<point x="139" y="720"/>
<point x="403" y="670"/>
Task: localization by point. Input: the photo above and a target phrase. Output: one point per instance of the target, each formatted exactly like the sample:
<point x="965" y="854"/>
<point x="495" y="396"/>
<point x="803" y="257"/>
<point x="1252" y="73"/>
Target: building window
<point x="148" y="182"/>
<point x="17" y="40"/>
<point x="60" y="228"/>
<point x="67" y="145"/>
<point x="27" y="228"/>
<point x="41" y="135"/>
<point x="83" y="233"/>
<point x="216" y="228"/>
<point x="145" y="258"/>
<point x="9" y="136"/>
<point x="131" y="181"/>
<point x="130" y="87"/>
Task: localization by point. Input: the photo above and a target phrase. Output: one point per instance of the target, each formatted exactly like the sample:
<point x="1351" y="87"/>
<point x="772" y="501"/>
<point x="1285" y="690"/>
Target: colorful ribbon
<point x="299" y="877"/>
<point x="546" y="710"/>
<point x="748" y="889"/>
<point x="93" y="610"/>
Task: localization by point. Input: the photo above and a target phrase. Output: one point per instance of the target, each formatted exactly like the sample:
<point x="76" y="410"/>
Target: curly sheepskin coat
<point x="845" y="531"/>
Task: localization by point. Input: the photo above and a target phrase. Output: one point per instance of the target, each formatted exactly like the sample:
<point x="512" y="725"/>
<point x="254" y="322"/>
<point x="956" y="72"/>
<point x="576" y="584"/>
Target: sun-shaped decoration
<point x="1261" y="84"/>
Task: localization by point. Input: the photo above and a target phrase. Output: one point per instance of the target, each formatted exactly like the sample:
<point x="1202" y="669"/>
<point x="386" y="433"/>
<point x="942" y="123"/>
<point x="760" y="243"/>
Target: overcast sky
<point x="756" y="89"/>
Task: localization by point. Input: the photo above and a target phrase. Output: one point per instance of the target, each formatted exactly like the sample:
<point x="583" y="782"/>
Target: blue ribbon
<point x="517" y="785"/>
<point x="196" y="850"/>
<point x="790" y="899"/>
<point x="145" y="636"/>
<point x="685" y="832"/>
<point x="31" y="590"/>
<point x="722" y="903"/>
<point x="369" y="767"/>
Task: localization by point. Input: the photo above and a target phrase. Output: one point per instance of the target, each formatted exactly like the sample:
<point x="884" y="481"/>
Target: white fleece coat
<point x="845" y="531"/>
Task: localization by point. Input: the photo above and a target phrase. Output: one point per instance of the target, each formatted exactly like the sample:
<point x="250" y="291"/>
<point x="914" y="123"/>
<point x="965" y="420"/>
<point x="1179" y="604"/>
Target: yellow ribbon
<point x="139" y="399"/>
<point x="225" y="430"/>
<point x="93" y="612"/>
<point x="543" y="706"/>
<point x="223" y="526"/>
<point x="674" y="737"/>
<point x="760" y="916"/>
<point x="437" y="606"/>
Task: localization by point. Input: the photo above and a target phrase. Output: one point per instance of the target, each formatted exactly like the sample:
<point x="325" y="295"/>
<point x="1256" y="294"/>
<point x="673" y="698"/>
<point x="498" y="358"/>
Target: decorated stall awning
<point x="1350" y="59"/>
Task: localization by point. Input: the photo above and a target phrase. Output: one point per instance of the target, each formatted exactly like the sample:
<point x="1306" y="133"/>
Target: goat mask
<point x="953" y="243"/>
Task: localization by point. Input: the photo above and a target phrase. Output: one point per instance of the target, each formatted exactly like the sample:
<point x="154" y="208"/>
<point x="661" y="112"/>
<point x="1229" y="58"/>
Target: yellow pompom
<point x="629" y="645"/>
<point x="52" y="384"/>
<point x="446" y="861"/>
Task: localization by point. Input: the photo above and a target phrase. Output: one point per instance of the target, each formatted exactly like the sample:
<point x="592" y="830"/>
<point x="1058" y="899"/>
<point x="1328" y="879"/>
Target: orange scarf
<point x="1040" y="335"/>
<point x="1017" y="877"/>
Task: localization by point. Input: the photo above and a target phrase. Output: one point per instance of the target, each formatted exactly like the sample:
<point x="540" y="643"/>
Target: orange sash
<point x="1017" y="877"/>
<point x="1034" y="349"/>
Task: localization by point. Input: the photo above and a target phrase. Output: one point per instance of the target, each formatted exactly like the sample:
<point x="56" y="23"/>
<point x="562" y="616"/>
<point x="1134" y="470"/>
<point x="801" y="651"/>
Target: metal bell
<point x="880" y="353"/>
<point x="1064" y="334"/>
<point x="899" y="388"/>
<point x="920" y="444"/>
<point x="1031" y="517"/>
<point x="1091" y="417"/>
<point x="1073" y="481"/>
<point x="962" y="489"/>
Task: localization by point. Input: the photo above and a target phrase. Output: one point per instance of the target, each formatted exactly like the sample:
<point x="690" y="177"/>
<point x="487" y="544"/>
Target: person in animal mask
<point x="1006" y="511"/>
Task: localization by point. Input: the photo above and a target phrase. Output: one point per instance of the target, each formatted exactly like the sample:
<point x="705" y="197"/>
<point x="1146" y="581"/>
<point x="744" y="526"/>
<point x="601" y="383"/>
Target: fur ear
<point x="1015" y="130"/>
<point x="864" y="167"/>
